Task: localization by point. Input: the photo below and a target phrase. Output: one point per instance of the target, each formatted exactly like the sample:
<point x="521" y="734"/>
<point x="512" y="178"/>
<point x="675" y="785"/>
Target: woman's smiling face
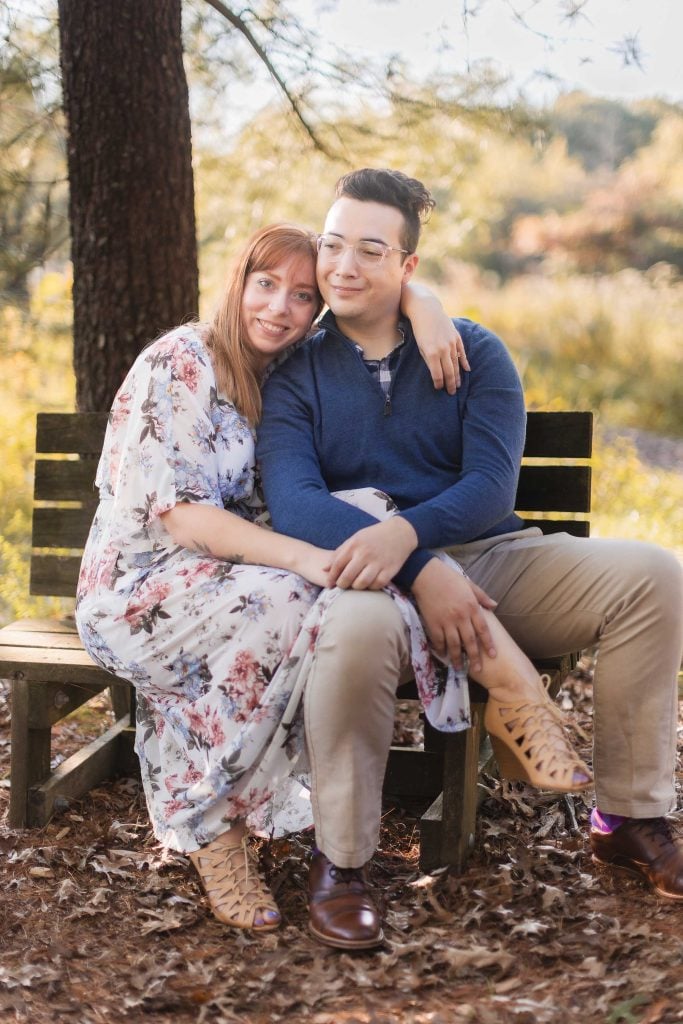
<point x="278" y="306"/>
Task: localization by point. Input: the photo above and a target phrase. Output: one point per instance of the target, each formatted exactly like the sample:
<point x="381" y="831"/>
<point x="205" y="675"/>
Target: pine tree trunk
<point x="133" y="238"/>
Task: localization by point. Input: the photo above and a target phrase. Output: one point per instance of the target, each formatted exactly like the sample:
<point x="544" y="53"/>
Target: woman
<point x="185" y="593"/>
<point x="164" y="598"/>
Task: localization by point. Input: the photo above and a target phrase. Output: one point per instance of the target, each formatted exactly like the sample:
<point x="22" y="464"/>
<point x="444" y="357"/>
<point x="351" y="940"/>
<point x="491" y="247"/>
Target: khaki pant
<point x="555" y="594"/>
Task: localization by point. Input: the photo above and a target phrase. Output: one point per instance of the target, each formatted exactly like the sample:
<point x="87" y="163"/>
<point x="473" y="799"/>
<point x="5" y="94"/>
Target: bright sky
<point x="432" y="33"/>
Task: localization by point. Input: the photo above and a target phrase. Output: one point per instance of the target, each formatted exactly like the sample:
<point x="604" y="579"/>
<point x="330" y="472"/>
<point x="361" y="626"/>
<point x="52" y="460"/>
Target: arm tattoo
<point x="204" y="549"/>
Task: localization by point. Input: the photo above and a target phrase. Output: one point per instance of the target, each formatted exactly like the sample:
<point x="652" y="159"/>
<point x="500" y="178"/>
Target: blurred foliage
<point x="33" y="181"/>
<point x="635" y="501"/>
<point x="602" y="133"/>
<point x="35" y="375"/>
<point x="631" y="217"/>
<point x="605" y="340"/>
<point x="322" y="98"/>
<point x="510" y="196"/>
<point x="608" y="343"/>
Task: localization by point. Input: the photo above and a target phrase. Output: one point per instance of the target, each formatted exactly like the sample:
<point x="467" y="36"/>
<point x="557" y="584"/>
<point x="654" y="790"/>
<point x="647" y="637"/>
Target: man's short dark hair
<point x="393" y="188"/>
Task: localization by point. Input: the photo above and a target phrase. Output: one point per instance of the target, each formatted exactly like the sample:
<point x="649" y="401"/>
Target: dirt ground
<point x="97" y="925"/>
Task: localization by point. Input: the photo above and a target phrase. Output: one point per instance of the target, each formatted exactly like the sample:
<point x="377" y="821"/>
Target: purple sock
<point x="605" y="823"/>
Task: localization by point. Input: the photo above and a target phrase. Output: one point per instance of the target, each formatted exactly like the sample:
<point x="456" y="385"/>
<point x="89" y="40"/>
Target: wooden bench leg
<point x="461" y="776"/>
<point x="30" y="750"/>
<point x="447" y="828"/>
<point x="99" y="760"/>
<point x="35" y="790"/>
<point x="121" y="700"/>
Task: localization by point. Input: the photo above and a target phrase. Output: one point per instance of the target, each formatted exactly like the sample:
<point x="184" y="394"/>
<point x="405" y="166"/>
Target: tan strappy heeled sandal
<point x="236" y="892"/>
<point x="530" y="745"/>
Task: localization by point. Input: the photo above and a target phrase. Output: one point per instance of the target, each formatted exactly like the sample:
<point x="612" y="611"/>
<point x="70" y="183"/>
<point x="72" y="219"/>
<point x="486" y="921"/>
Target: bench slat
<point x="40" y="664"/>
<point x="67" y="625"/>
<point x="54" y="575"/>
<point x="554" y="489"/>
<point x="559" y="435"/>
<point x="73" y="433"/>
<point x="51" y="640"/>
<point x="549" y="434"/>
<point x="66" y="480"/>
<point x="62" y="527"/>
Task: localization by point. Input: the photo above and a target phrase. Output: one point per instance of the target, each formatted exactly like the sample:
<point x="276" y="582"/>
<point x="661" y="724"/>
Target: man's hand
<point x="451" y="609"/>
<point x="370" y="559"/>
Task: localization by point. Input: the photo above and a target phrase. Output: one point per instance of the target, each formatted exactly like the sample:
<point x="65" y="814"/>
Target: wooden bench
<point x="51" y="675"/>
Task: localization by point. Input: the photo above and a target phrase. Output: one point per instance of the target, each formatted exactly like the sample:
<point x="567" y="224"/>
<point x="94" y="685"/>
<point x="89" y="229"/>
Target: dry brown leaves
<point x="97" y="925"/>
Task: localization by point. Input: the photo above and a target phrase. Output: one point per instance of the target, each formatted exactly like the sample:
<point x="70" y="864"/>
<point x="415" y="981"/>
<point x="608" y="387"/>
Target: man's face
<point x="367" y="295"/>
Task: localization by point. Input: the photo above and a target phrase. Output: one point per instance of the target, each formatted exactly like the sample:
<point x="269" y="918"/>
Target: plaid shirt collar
<point x="383" y="369"/>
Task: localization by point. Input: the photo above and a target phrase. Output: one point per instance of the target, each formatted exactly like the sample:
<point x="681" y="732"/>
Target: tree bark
<point x="131" y="207"/>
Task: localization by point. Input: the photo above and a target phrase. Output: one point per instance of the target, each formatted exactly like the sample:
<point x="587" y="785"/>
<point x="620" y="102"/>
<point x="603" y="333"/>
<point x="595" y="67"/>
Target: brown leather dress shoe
<point x="646" y="847"/>
<point x="341" y="912"/>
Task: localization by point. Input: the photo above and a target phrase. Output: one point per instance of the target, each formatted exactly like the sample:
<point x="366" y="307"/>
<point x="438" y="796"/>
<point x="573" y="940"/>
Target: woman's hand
<point x="443" y="351"/>
<point x="370" y="559"/>
<point x="452" y="611"/>
<point x="312" y="563"/>
<point x="438" y="340"/>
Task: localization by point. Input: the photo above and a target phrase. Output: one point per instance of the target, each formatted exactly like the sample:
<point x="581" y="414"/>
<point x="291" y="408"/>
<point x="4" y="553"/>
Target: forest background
<point x="558" y="225"/>
<point x="561" y="228"/>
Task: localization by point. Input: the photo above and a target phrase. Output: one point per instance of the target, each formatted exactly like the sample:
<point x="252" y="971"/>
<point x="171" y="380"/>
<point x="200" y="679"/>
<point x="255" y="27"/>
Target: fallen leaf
<point x="41" y="872"/>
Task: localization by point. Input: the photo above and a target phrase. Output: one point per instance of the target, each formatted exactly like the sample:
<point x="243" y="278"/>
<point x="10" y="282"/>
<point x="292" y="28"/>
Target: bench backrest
<point x="68" y="447"/>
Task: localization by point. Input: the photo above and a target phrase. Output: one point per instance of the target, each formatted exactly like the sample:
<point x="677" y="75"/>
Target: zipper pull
<point x="387" y="405"/>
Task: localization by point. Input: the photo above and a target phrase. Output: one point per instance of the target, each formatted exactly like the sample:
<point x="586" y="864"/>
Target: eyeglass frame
<point x="386" y="249"/>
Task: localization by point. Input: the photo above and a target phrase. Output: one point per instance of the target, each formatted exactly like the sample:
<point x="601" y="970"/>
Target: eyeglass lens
<point x="366" y="253"/>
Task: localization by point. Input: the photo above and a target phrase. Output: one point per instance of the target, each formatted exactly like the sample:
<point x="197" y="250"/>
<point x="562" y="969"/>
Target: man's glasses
<point x="367" y="254"/>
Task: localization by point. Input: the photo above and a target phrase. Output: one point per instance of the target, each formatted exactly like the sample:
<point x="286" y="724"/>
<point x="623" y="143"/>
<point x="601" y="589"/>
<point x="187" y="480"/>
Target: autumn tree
<point x="131" y="187"/>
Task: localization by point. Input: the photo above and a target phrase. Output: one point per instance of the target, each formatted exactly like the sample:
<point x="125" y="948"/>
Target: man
<point x="352" y="409"/>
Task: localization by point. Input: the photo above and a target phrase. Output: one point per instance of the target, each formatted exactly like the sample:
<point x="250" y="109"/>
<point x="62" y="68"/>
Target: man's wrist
<point x="421" y="581"/>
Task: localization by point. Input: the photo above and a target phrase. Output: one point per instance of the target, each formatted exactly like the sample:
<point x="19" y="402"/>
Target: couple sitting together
<point x="266" y="660"/>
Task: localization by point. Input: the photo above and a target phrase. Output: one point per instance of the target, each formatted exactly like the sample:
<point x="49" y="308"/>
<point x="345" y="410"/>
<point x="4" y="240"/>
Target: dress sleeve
<point x="163" y="439"/>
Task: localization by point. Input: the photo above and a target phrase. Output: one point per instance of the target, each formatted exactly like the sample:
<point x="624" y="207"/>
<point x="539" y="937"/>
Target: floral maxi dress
<point x="218" y="652"/>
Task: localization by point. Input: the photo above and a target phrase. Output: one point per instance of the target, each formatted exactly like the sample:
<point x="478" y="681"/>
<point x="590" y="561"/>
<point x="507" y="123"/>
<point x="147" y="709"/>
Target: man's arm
<point x="493" y="424"/>
<point x="296" y="494"/>
<point x="493" y="430"/>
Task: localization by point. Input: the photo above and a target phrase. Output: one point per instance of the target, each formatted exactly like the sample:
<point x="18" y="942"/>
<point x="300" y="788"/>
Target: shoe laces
<point x="660" y="829"/>
<point x="346" y="875"/>
<point x="224" y="860"/>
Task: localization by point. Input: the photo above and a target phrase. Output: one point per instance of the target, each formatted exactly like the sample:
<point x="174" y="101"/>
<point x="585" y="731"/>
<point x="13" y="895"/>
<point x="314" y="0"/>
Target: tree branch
<point x="244" y="29"/>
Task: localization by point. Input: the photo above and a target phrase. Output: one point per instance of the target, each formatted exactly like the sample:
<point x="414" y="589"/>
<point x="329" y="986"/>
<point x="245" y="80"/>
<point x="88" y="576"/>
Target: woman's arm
<point x="437" y="339"/>
<point x="222" y="534"/>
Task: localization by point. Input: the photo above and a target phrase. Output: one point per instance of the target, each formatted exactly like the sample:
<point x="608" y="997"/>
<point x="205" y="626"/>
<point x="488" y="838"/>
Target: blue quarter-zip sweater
<point x="450" y="462"/>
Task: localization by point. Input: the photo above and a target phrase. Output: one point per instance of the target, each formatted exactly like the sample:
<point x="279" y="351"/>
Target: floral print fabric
<point x="218" y="652"/>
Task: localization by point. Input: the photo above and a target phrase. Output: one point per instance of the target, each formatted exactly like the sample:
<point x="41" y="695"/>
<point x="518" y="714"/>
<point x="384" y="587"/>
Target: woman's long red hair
<point x="236" y="372"/>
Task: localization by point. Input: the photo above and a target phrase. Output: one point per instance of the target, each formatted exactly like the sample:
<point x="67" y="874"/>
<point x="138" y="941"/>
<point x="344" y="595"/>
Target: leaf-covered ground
<point x="97" y="925"/>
